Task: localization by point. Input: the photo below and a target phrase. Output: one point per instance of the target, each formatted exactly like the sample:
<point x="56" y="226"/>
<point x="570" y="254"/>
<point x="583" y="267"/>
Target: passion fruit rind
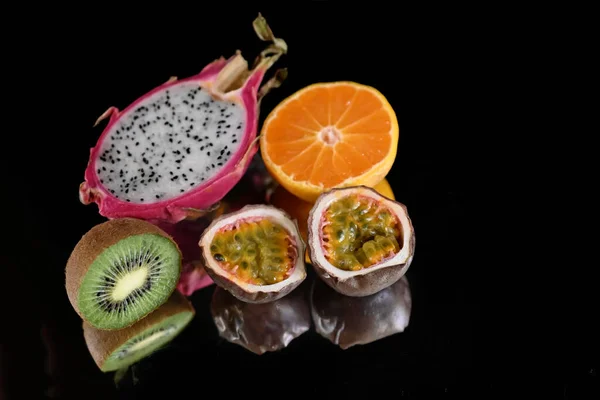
<point x="372" y="279"/>
<point x="245" y="291"/>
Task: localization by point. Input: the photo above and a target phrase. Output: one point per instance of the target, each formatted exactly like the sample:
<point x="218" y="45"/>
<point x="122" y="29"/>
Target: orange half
<point x="330" y="135"/>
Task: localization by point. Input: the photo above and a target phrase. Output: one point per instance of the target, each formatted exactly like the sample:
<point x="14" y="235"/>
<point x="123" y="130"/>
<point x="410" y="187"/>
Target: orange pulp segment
<point x="330" y="135"/>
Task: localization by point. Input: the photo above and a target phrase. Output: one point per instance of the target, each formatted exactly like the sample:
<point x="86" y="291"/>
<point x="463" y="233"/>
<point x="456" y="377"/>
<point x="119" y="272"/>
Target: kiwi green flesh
<point x="257" y="251"/>
<point x="147" y="342"/>
<point x="359" y="232"/>
<point x="129" y="280"/>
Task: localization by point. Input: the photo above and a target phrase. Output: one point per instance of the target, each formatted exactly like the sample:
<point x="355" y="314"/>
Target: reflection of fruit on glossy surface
<point x="328" y="135"/>
<point x="261" y="328"/>
<point x="349" y="321"/>
<point x="300" y="209"/>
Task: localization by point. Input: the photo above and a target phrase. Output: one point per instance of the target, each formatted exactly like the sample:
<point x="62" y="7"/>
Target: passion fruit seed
<point x="358" y="232"/>
<point x="259" y="252"/>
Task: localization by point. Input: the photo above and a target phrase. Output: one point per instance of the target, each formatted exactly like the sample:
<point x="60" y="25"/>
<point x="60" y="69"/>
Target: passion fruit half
<point x="255" y="253"/>
<point x="359" y="241"/>
<point x="349" y="321"/>
<point x="261" y="328"/>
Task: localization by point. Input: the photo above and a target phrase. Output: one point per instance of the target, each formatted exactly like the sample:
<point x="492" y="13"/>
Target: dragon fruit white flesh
<point x="176" y="151"/>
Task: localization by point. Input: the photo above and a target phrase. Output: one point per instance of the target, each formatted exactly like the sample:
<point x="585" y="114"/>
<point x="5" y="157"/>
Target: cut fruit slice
<point x="175" y="152"/>
<point x="255" y="253"/>
<point x="299" y="209"/>
<point x="330" y="135"/>
<point x="112" y="350"/>
<point x="120" y="271"/>
<point x="359" y="241"/>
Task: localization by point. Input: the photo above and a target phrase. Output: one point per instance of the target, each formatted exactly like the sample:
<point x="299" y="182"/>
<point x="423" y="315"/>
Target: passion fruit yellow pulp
<point x="257" y="251"/>
<point x="359" y="241"/>
<point x="358" y="232"/>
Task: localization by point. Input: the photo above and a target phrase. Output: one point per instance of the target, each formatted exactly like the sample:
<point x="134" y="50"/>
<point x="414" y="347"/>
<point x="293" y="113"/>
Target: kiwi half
<point x="112" y="350"/>
<point x="120" y="271"/>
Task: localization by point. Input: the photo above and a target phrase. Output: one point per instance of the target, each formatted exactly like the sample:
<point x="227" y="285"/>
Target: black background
<point x="449" y="75"/>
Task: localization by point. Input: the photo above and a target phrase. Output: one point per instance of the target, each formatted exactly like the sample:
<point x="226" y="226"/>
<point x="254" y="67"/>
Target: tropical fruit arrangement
<point x="196" y="193"/>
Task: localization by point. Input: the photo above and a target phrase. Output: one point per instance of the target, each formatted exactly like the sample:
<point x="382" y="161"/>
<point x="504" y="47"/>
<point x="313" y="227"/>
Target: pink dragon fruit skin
<point x="203" y="195"/>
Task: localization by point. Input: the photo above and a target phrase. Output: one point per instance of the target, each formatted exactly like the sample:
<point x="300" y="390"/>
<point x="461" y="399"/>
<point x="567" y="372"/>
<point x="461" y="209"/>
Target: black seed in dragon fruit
<point x="174" y="153"/>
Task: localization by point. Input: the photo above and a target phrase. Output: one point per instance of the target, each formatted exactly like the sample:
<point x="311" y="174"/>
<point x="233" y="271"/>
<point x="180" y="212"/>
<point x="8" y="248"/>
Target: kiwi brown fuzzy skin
<point x="366" y="282"/>
<point x="256" y="295"/>
<point x="102" y="343"/>
<point x="94" y="242"/>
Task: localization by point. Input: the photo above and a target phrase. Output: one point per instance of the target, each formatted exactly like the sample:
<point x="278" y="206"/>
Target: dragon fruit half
<point x="175" y="152"/>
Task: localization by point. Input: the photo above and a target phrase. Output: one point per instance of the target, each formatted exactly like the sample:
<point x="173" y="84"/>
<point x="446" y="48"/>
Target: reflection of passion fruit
<point x="348" y="321"/>
<point x="261" y="327"/>
<point x="359" y="241"/>
<point x="255" y="253"/>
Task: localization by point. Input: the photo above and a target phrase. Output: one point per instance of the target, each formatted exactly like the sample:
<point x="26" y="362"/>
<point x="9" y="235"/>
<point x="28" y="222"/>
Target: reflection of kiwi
<point x="116" y="349"/>
<point x="261" y="327"/>
<point x="349" y="321"/>
<point x="120" y="271"/>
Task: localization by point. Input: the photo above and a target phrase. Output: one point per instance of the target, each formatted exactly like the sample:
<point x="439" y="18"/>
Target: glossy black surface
<point x="469" y="331"/>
